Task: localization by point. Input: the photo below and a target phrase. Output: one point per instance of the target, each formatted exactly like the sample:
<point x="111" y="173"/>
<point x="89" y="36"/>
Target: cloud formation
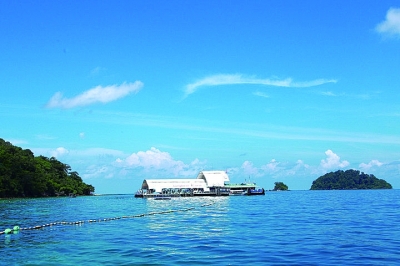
<point x="154" y="160"/>
<point x="333" y="161"/>
<point x="328" y="93"/>
<point x="249" y="169"/>
<point x="98" y="94"/>
<point x="234" y="79"/>
<point x="371" y="164"/>
<point x="260" y="94"/>
<point x="60" y="151"/>
<point x="391" y="25"/>
<point x="272" y="169"/>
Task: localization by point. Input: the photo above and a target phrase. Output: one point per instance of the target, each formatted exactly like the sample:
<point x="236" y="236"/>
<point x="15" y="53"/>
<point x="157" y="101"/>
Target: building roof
<point x="159" y="184"/>
<point x="204" y="180"/>
<point x="214" y="178"/>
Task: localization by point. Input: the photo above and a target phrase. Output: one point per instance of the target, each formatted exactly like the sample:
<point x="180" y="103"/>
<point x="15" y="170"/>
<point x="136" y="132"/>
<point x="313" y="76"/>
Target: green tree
<point x="24" y="175"/>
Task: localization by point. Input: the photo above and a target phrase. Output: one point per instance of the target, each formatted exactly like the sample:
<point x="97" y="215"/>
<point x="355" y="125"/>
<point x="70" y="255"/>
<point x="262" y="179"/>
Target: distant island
<point x="350" y="179"/>
<point x="24" y="175"/>
<point x="280" y="186"/>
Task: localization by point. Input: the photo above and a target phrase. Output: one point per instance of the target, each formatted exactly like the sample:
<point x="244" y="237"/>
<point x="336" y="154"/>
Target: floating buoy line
<point x="16" y="229"/>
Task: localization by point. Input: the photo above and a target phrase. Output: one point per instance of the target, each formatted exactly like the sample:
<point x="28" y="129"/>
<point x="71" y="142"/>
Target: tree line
<point x="24" y="175"/>
<point x="349" y="179"/>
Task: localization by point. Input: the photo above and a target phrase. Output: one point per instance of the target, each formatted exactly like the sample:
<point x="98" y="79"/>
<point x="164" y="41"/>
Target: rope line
<point x="16" y="229"/>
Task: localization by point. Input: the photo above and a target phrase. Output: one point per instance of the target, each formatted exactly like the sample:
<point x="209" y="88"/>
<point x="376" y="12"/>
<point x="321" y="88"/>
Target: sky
<point x="269" y="91"/>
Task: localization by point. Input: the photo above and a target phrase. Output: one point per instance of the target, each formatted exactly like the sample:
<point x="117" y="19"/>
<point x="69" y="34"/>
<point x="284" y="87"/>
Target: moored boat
<point x="254" y="192"/>
<point x="246" y="189"/>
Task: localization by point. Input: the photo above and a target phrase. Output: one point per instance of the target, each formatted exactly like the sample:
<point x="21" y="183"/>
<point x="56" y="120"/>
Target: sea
<point x="357" y="227"/>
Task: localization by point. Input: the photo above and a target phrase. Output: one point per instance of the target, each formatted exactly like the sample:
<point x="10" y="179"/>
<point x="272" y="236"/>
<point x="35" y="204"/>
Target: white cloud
<point x="272" y="166"/>
<point x="299" y="168"/>
<point x="273" y="169"/>
<point x="97" y="170"/>
<point x="249" y="169"/>
<point x="333" y="161"/>
<point x="366" y="167"/>
<point x="232" y="79"/>
<point x="391" y="25"/>
<point x="96" y="71"/>
<point x="60" y="151"/>
<point x="98" y="94"/>
<point x="328" y="93"/>
<point x="82" y="135"/>
<point x="300" y="164"/>
<point x="260" y="94"/>
<point x="156" y="160"/>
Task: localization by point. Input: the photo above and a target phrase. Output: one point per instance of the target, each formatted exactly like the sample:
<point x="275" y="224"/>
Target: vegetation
<point x="280" y="186"/>
<point x="350" y="179"/>
<point x="24" y="175"/>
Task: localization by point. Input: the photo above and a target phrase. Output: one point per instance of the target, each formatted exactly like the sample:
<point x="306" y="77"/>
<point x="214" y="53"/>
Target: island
<point x="349" y="179"/>
<point x="280" y="186"/>
<point x="24" y="175"/>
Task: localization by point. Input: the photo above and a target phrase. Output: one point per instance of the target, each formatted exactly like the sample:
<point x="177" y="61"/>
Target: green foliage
<point x="280" y="186"/>
<point x="350" y="179"/>
<point x="24" y="175"/>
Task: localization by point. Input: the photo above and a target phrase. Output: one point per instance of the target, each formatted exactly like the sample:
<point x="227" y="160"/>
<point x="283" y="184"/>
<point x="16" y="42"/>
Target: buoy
<point x="16" y="228"/>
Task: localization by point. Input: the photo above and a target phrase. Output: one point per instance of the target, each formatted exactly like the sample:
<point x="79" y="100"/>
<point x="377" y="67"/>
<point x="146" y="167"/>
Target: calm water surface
<point x="280" y="228"/>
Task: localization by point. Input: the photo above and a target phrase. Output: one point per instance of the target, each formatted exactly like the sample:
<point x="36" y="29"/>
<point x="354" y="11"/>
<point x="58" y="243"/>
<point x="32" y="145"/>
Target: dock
<point x="207" y="184"/>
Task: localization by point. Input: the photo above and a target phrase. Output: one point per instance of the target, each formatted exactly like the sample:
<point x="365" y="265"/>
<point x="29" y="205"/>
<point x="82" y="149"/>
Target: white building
<point x="204" y="181"/>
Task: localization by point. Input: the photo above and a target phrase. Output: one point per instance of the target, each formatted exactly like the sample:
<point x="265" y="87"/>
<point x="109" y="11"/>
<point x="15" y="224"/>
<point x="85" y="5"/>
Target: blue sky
<point x="267" y="90"/>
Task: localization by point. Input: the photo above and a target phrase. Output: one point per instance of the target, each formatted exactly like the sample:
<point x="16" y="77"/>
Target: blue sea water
<point x="280" y="228"/>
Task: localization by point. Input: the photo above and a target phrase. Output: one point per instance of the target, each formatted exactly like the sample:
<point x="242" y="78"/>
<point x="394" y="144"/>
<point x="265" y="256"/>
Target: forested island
<point x="280" y="186"/>
<point x="350" y="179"/>
<point x="24" y="175"/>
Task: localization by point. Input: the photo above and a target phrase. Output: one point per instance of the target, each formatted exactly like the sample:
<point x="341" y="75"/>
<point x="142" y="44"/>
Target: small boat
<point x="253" y="192"/>
<point x="245" y="189"/>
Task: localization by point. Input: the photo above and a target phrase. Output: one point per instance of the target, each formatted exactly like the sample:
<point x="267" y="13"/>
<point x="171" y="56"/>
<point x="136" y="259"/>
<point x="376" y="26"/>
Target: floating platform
<point x="183" y="193"/>
<point x="207" y="184"/>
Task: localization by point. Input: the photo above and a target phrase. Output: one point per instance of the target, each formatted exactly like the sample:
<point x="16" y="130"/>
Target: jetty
<point x="207" y="184"/>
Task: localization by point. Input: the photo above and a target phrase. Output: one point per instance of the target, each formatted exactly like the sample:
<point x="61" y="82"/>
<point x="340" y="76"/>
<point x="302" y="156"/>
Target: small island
<point x="24" y="175"/>
<point x="280" y="186"/>
<point x="349" y="179"/>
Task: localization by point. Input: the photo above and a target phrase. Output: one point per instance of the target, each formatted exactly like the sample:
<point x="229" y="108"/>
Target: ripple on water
<point x="297" y="227"/>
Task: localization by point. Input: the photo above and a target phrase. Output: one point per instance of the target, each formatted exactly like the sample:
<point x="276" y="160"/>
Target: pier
<point x="207" y="184"/>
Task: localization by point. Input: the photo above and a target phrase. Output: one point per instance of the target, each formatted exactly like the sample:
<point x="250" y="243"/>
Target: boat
<point x="254" y="192"/>
<point x="245" y="189"/>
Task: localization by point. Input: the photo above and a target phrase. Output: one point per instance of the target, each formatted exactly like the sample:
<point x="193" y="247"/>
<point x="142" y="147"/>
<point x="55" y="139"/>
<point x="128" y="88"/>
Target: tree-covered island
<point x="350" y="179"/>
<point x="24" y="175"/>
<point x="280" y="186"/>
